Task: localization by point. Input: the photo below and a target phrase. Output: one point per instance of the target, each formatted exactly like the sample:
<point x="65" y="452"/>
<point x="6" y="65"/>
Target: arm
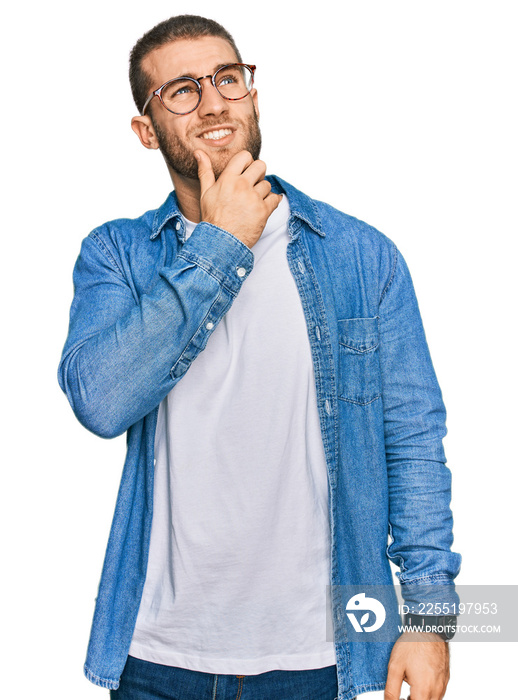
<point x="420" y="520"/>
<point x="123" y="355"/>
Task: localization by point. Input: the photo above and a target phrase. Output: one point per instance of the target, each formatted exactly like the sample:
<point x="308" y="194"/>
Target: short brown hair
<point x="179" y="27"/>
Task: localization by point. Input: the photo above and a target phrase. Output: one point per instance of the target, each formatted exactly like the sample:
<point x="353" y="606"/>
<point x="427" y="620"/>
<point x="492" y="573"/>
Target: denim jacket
<point x="146" y="301"/>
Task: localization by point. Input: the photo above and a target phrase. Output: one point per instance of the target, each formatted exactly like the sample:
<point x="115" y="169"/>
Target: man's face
<point x="180" y="135"/>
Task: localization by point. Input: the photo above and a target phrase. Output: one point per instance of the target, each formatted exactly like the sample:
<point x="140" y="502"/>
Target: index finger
<point x="255" y="171"/>
<point x="238" y="163"/>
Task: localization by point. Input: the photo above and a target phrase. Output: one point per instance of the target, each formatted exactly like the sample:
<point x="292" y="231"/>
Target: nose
<point x="211" y="103"/>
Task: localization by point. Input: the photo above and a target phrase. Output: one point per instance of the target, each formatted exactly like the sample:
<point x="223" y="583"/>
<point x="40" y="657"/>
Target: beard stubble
<point x="181" y="159"/>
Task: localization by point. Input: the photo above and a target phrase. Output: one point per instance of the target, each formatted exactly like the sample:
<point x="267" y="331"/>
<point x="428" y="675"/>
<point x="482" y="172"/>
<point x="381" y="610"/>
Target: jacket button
<point x="241" y="272"/>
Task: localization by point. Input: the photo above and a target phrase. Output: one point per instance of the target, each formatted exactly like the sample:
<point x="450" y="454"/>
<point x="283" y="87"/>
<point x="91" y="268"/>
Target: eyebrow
<point x="195" y="77"/>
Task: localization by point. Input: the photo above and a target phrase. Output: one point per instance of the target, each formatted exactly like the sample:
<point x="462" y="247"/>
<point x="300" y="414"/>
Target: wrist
<point x="442" y="625"/>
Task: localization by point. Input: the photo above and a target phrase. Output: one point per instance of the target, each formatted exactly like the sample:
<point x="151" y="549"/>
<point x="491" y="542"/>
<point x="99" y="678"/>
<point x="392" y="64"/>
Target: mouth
<point x="217" y="137"/>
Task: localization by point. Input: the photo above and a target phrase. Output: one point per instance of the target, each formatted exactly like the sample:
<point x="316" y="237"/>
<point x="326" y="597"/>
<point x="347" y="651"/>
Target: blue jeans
<point x="142" y="680"/>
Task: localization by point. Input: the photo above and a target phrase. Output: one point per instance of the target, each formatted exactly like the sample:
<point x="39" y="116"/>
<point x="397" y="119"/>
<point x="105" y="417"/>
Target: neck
<point x="188" y="195"/>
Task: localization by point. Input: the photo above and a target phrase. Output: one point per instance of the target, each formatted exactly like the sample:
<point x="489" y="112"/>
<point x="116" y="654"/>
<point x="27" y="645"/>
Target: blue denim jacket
<point x="143" y="300"/>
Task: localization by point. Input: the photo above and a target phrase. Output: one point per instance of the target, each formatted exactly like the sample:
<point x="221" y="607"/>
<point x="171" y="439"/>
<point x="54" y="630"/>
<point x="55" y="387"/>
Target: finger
<point x="393" y="684"/>
<point x="238" y="163"/>
<point x="263" y="188"/>
<point x="205" y="172"/>
<point x="272" y="201"/>
<point x="255" y="172"/>
<point x="423" y="692"/>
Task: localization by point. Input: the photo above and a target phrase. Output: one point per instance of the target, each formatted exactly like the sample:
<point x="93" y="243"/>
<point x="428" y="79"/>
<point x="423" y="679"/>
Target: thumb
<point x="205" y="172"/>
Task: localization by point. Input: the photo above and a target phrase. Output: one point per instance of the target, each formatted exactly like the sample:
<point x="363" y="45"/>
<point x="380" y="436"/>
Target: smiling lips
<point x="216" y="135"/>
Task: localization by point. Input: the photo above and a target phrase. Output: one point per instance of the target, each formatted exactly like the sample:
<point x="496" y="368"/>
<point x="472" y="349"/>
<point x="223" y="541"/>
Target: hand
<point x="240" y="200"/>
<point x="423" y="661"/>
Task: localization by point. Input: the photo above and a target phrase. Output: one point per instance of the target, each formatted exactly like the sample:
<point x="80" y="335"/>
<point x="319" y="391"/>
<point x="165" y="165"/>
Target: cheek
<point x="188" y="130"/>
<point x="174" y="130"/>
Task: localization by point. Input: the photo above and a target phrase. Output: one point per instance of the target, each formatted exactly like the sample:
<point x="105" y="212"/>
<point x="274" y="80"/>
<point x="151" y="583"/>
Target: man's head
<point x="180" y="27"/>
<point x="191" y="46"/>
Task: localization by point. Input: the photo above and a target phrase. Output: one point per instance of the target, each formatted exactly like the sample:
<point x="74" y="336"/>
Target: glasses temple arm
<point x="146" y="103"/>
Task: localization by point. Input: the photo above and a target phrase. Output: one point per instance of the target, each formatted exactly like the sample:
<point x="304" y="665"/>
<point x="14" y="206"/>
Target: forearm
<point x="420" y="525"/>
<point x="123" y="355"/>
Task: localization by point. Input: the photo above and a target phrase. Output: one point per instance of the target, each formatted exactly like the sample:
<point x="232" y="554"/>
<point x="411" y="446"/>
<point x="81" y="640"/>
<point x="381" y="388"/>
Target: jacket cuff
<point x="220" y="254"/>
<point x="431" y="595"/>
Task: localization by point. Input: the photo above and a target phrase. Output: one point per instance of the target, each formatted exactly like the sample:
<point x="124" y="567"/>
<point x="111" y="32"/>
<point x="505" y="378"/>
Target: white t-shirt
<point x="240" y="549"/>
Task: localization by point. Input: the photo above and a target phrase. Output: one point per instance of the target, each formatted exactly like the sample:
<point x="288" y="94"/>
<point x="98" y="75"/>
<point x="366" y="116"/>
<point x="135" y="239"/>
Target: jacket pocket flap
<point x="359" y="334"/>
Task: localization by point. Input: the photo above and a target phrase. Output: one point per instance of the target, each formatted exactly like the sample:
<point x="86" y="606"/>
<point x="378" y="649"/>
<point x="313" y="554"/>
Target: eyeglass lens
<point x="232" y="82"/>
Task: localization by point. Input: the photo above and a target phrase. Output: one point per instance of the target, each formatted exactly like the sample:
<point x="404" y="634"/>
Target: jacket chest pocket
<point x="359" y="370"/>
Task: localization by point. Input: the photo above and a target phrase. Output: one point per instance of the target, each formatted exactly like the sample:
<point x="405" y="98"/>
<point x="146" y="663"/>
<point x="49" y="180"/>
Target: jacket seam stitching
<point x="392" y="275"/>
<point x="208" y="270"/>
<point x="357" y="350"/>
<point x="360" y="403"/>
<point x="103" y="248"/>
<point x="197" y="331"/>
<point x="96" y="678"/>
<point x="227" y="233"/>
<point x="431" y="577"/>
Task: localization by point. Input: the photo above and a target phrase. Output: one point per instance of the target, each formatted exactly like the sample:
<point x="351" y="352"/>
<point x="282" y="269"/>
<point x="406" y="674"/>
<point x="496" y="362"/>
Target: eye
<point x="227" y="80"/>
<point x="183" y="90"/>
<point x="179" y="90"/>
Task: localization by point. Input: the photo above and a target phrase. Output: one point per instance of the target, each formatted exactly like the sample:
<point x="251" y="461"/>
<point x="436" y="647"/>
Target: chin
<point x="220" y="161"/>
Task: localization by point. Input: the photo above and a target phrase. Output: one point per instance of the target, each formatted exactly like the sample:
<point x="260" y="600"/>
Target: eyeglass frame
<point x="158" y="92"/>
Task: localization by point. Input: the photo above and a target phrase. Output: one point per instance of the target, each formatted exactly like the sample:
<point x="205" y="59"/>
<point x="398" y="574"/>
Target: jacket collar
<point x="302" y="207"/>
<point x="169" y="210"/>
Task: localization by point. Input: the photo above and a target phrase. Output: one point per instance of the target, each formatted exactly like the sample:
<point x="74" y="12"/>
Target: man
<point x="266" y="356"/>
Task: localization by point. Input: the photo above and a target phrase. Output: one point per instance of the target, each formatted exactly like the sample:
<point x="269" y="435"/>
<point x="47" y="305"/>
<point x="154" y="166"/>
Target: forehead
<point x="196" y="57"/>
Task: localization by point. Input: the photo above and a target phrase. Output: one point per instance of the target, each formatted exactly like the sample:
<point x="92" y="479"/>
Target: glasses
<point x="183" y="95"/>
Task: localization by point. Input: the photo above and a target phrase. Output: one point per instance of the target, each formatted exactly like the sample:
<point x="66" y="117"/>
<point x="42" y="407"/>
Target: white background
<point x="402" y="114"/>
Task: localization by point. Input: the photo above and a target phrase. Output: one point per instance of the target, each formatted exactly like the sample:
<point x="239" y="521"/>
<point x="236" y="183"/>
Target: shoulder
<point x="120" y="240"/>
<point x="344" y="237"/>
<point x="340" y="224"/>
<point x="335" y="224"/>
<point x="124" y="231"/>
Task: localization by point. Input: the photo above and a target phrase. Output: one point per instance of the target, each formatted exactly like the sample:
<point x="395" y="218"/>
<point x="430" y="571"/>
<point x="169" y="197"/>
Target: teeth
<point x="217" y="134"/>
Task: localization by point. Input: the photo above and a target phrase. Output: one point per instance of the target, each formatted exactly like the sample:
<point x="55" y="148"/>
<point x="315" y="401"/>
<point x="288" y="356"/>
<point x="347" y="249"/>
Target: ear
<point x="253" y="93"/>
<point x="143" y="127"/>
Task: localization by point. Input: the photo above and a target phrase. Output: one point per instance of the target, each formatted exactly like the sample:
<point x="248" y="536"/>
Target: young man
<point x="266" y="355"/>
